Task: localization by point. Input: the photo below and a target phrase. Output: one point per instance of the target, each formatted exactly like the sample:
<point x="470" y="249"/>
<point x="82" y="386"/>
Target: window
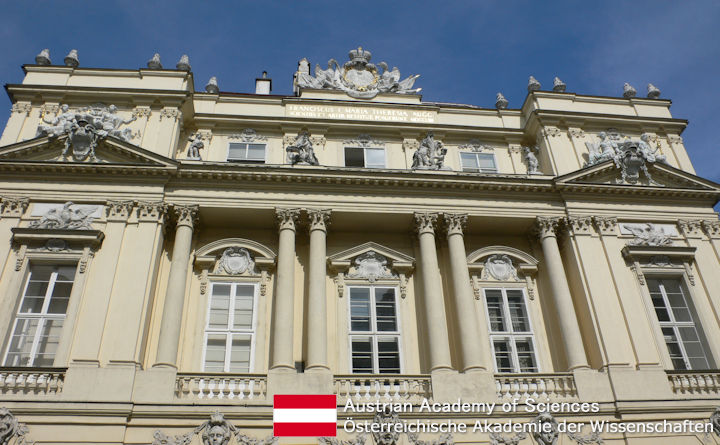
<point x="374" y="330"/>
<point x="478" y="162"/>
<point x="229" y="336"/>
<point x="685" y="343"/>
<point x="246" y="152"/>
<point x="511" y="335"/>
<point x="40" y="317"/>
<point x="364" y="157"/>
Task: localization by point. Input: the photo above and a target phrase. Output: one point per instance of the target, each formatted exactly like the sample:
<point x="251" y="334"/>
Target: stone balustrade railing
<point x="31" y="381"/>
<point x="396" y="388"/>
<point x="694" y="383"/>
<point x="207" y="386"/>
<point x="540" y="387"/>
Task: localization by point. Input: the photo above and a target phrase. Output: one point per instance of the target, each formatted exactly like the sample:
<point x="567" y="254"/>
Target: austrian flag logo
<point x="304" y="415"/>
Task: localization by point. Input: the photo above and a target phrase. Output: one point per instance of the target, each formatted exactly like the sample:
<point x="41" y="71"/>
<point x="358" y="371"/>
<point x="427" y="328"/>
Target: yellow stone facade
<point x="581" y="246"/>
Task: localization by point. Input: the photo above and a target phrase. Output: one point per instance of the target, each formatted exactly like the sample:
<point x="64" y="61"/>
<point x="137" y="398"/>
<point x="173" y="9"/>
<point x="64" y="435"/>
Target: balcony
<point x="31" y="381"/>
<point x="695" y="384"/>
<point x="248" y="388"/>
<point x="385" y="388"/>
<point x="540" y="387"/>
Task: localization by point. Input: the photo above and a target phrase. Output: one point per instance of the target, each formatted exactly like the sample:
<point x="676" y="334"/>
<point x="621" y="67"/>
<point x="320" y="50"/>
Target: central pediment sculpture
<point x="358" y="77"/>
<point x="84" y="129"/>
<point x="631" y="157"/>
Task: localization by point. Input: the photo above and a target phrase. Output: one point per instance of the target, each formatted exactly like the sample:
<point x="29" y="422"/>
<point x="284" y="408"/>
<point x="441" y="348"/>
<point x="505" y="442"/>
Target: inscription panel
<point x="360" y="113"/>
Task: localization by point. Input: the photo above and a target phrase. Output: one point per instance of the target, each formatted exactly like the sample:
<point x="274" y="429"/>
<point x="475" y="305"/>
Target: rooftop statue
<point x="212" y="86"/>
<point x="72" y="59"/>
<point x="533" y="84"/>
<point x="558" y="85"/>
<point x="430" y="155"/>
<point x="500" y="102"/>
<point x="358" y="77"/>
<point x="184" y="63"/>
<point x="629" y="91"/>
<point x="653" y="92"/>
<point x="154" y="63"/>
<point x="43" y="58"/>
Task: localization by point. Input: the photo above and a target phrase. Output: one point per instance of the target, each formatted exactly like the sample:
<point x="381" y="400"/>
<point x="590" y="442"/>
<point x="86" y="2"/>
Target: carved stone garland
<point x="247" y="135"/>
<point x="216" y="431"/>
<point x="363" y="141"/>
<point x="10" y="428"/>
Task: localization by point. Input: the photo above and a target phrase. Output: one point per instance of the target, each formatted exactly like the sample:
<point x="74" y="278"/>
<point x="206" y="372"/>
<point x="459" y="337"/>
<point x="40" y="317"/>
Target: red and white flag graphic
<point x="305" y="415"/>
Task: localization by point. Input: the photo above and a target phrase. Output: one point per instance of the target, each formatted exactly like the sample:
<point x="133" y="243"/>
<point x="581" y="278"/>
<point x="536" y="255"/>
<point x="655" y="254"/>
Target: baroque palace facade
<point x="173" y="258"/>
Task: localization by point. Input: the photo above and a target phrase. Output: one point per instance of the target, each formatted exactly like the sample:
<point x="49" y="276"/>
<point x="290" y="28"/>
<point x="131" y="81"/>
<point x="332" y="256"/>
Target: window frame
<point x="479" y="170"/>
<point x="248" y="161"/>
<point x="658" y="325"/>
<point x="511" y="334"/>
<point x="230" y="332"/>
<point x="374" y="334"/>
<point x="364" y="150"/>
<point x="68" y="317"/>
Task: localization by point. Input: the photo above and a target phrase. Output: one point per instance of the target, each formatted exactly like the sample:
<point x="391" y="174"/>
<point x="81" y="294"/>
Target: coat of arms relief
<point x="358" y="77"/>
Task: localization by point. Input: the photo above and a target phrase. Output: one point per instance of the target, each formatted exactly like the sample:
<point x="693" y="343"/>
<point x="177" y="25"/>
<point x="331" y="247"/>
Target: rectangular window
<point x="364" y="157"/>
<point x="676" y="315"/>
<point x="230" y="328"/>
<point x="374" y="330"/>
<point x="40" y="317"/>
<point x="511" y="335"/>
<point x="478" y="162"/>
<point x="246" y="152"/>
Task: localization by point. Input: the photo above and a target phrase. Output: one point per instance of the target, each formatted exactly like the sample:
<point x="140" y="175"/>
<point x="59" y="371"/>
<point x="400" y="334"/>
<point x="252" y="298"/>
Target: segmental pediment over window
<point x="371" y="262"/>
<point x="234" y="257"/>
<point x="501" y="264"/>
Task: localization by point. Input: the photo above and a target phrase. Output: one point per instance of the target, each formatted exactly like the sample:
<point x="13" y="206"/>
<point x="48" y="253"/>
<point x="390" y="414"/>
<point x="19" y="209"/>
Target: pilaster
<point x="594" y="274"/>
<point x="94" y="311"/>
<point x="19" y="114"/>
<point x="137" y="269"/>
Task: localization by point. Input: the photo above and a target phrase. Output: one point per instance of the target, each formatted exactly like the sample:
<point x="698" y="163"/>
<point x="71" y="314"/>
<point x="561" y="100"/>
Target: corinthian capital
<point x="186" y="215"/>
<point x="13" y="206"/>
<point x="118" y="210"/>
<point x="319" y="219"/>
<point x="578" y="225"/>
<point x="287" y="218"/>
<point x="545" y="227"/>
<point x="455" y="223"/>
<point x="151" y="211"/>
<point x="605" y="225"/>
<point x="712" y="228"/>
<point x="425" y="222"/>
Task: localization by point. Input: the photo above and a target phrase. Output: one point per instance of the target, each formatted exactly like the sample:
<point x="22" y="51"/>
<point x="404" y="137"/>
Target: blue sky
<point x="465" y="51"/>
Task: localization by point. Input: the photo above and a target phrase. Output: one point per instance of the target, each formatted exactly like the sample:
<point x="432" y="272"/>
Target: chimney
<point x="263" y="85"/>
